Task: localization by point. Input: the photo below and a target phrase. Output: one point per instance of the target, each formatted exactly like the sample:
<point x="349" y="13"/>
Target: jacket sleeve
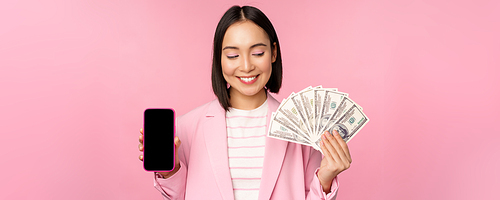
<point x="312" y="182"/>
<point x="174" y="187"/>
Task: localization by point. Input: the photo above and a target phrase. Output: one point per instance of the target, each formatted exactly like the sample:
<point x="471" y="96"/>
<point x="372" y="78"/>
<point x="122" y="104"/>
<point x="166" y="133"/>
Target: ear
<point x="275" y="53"/>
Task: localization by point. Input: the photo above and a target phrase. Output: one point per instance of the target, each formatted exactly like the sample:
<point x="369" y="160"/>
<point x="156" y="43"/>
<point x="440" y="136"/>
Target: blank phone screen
<point x="159" y="140"/>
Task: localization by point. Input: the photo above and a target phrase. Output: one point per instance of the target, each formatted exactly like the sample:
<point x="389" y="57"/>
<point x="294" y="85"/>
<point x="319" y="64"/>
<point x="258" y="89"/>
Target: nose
<point x="247" y="65"/>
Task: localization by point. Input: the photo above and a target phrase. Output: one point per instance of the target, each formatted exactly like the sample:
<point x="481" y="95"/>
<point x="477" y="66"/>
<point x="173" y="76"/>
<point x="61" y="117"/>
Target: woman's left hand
<point x="336" y="159"/>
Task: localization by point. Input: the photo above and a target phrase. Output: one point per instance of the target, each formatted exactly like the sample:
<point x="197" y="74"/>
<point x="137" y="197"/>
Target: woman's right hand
<point x="177" y="143"/>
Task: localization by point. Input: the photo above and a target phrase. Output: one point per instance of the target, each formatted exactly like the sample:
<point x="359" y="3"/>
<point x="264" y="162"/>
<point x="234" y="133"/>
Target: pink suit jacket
<point x="289" y="170"/>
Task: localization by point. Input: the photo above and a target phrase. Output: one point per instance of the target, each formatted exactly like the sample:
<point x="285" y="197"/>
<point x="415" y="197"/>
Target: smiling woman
<point x="246" y="64"/>
<point x="245" y="43"/>
<point x="226" y="154"/>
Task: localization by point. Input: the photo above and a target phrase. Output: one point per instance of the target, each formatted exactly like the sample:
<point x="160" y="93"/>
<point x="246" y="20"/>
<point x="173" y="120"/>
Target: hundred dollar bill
<point x="285" y="100"/>
<point x="281" y="118"/>
<point x="319" y="94"/>
<point x="349" y="124"/>
<point x="344" y="106"/>
<point x="288" y="109"/>
<point x="297" y="102"/>
<point x="318" y="103"/>
<point x="280" y="131"/>
<point x="332" y="101"/>
<point x="302" y="117"/>
<point x="307" y="99"/>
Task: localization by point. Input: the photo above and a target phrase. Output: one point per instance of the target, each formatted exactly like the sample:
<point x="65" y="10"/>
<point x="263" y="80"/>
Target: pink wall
<point x="77" y="75"/>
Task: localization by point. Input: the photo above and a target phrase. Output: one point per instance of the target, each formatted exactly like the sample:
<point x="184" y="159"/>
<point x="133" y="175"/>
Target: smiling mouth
<point x="248" y="79"/>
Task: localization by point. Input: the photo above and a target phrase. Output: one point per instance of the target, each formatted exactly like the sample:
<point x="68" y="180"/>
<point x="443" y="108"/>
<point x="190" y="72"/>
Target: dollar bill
<point x="289" y="111"/>
<point x="332" y="102"/>
<point x="349" y="124"/>
<point x="282" y="119"/>
<point x="302" y="117"/>
<point x="283" y="132"/>
<point x="299" y="106"/>
<point x="318" y="104"/>
<point x="307" y="99"/>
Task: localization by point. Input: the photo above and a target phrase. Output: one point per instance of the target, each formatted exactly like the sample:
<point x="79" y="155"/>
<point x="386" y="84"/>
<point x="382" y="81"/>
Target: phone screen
<point x="159" y="140"/>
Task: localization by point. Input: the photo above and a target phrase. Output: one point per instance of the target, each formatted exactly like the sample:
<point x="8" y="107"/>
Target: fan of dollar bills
<point x="302" y="117"/>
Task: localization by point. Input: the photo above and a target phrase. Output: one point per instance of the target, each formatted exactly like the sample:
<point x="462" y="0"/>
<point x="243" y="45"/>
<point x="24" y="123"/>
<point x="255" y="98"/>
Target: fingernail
<point x="323" y="136"/>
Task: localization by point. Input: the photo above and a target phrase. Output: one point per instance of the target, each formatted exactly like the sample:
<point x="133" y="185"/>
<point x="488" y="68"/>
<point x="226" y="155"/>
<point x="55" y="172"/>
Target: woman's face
<point x="246" y="58"/>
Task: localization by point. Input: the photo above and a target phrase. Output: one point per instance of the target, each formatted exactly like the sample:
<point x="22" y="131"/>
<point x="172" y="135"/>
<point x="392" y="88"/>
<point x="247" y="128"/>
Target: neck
<point x="244" y="102"/>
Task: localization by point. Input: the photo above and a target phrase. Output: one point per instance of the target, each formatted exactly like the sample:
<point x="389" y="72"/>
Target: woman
<point x="225" y="154"/>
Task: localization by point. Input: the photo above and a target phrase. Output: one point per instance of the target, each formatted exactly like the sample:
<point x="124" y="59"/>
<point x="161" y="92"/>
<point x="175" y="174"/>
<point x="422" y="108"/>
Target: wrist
<point x="325" y="181"/>
<point x="165" y="175"/>
<point x="160" y="175"/>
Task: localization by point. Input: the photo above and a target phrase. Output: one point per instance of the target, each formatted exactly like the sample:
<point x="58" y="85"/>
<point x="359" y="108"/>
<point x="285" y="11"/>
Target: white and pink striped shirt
<point x="246" y="139"/>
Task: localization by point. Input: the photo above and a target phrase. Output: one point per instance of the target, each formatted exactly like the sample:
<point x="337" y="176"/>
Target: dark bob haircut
<point x="233" y="15"/>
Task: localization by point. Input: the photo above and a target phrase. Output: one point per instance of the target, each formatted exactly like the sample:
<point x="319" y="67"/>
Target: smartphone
<point x="159" y="147"/>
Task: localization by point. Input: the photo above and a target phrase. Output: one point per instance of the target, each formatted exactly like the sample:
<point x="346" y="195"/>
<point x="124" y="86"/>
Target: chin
<point x="253" y="92"/>
<point x="250" y="92"/>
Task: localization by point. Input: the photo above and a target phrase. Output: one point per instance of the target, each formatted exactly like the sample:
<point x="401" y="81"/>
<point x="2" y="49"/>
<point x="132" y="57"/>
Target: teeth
<point x="248" y="79"/>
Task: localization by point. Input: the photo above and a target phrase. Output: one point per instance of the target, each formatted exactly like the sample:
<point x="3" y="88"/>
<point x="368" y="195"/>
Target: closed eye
<point x="258" y="54"/>
<point x="232" y="56"/>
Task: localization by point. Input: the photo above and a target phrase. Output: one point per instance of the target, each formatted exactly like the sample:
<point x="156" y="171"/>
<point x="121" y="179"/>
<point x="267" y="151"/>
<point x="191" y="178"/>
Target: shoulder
<point x="272" y="102"/>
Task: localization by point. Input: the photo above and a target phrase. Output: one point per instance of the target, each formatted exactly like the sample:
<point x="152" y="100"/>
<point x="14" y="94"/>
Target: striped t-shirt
<point x="246" y="139"/>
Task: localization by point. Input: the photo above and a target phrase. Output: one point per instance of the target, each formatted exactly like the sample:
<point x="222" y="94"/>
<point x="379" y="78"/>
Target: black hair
<point x="233" y="15"/>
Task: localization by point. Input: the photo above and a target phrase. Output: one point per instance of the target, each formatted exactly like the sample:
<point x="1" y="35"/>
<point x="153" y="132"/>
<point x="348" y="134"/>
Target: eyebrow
<point x="255" y="45"/>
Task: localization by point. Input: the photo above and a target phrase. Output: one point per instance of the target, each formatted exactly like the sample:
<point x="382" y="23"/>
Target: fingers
<point x="177" y="142"/>
<point x="332" y="151"/>
<point x="326" y="153"/>
<point x="337" y="141"/>
<point x="141" y="146"/>
<point x="141" y="137"/>
<point x="335" y="148"/>
<point x="343" y="145"/>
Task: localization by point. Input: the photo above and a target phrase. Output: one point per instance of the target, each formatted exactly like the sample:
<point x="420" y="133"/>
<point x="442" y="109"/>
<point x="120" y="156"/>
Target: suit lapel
<point x="216" y="141"/>
<point x="273" y="156"/>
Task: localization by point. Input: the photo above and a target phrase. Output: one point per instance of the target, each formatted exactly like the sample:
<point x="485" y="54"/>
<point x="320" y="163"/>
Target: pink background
<point x="77" y="75"/>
